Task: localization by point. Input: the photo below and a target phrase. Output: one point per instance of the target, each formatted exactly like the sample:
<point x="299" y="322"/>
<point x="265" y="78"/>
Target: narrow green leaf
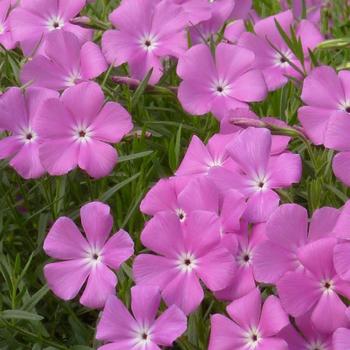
<point x="20" y="315"/>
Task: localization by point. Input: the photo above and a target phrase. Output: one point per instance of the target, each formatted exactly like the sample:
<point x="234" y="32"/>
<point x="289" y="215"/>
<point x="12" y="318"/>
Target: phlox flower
<point x="226" y="81"/>
<point x="66" y="62"/>
<point x="307" y="337"/>
<point x="258" y="173"/>
<point x="32" y="20"/>
<point x="324" y="92"/>
<point x="147" y="32"/>
<point x="19" y="113"/>
<point x="287" y="231"/>
<point x="252" y="326"/>
<point x="89" y="259"/>
<point x="341" y="337"/>
<point x="274" y="64"/>
<point x="186" y="253"/>
<point x="6" y="39"/>
<point x="76" y="130"/>
<point x="142" y="329"/>
<point x="316" y="289"/>
<point x="242" y="246"/>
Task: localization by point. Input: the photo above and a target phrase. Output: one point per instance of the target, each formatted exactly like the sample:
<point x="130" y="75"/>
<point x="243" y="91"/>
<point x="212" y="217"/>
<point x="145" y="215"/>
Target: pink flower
<point x="187" y="253"/>
<point x="252" y="326"/>
<point x="148" y="31"/>
<point x="216" y="86"/>
<point x="257" y="173"/>
<point x="305" y="337"/>
<point x="19" y="116"/>
<point x="66" y="62"/>
<point x="341" y="337"/>
<point x="88" y="259"/>
<point x="243" y="247"/>
<point x="142" y="330"/>
<point x="6" y="39"/>
<point x="317" y="288"/>
<point x="321" y="102"/>
<point x="287" y="232"/>
<point x="76" y="129"/>
<point x="274" y="66"/>
<point x="32" y="20"/>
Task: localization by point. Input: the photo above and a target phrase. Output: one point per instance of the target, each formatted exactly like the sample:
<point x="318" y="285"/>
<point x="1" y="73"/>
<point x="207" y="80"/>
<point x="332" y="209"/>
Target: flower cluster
<point x="219" y="228"/>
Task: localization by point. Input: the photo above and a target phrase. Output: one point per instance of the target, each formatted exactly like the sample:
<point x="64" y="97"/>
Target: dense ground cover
<point x="31" y="316"/>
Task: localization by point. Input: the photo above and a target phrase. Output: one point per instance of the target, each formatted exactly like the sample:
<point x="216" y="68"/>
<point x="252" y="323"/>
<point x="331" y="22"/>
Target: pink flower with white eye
<point x="306" y="337"/>
<point x="287" y="231"/>
<point x="186" y="253"/>
<point x="321" y="103"/>
<point x="257" y="173"/>
<point x="19" y="115"/>
<point x="89" y="259"/>
<point x="32" y="20"/>
<point x="216" y="86"/>
<point x="147" y="32"/>
<point x="142" y="329"/>
<point x="266" y="39"/>
<point x="77" y="129"/>
<point x="317" y="289"/>
<point x="252" y="326"/>
<point x="66" y="62"/>
<point x="242" y="246"/>
<point x="6" y="39"/>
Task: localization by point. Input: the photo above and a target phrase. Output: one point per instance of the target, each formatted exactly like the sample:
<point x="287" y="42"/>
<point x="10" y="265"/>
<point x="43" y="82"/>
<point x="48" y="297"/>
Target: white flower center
<point x="253" y="338"/>
<point x="72" y="79"/>
<point x="94" y="256"/>
<point x="28" y="135"/>
<point x="316" y="345"/>
<point x="327" y="286"/>
<point x="282" y="59"/>
<point x="55" y="22"/>
<point x="143" y="337"/>
<point x="345" y="106"/>
<point x="260" y="183"/>
<point x="148" y="42"/>
<point x="221" y="87"/>
<point x="187" y="262"/>
<point x="181" y="214"/>
<point x="244" y="257"/>
<point x="215" y="163"/>
<point x="82" y="134"/>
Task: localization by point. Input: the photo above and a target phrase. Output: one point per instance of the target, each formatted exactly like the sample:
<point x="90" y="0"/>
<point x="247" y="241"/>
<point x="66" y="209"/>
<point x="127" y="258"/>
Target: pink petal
<point x="310" y="256"/>
<point x="251" y="150"/>
<point x="245" y="311"/>
<point x="163" y="235"/>
<point x="314" y="121"/>
<point x="330" y="305"/>
<point x="342" y="227"/>
<point x="309" y="34"/>
<point x="100" y="285"/>
<point x="271" y="262"/>
<point x="27" y="163"/>
<point x="65" y="278"/>
<point x="184" y="291"/>
<point x="64" y="240"/>
<point x="341" y="166"/>
<point x="118" y="248"/>
<point x="92" y="62"/>
<point x="97" y="158"/>
<point x="342" y="260"/>
<point x="273" y="318"/>
<point x="97" y="222"/>
<point x="273" y="343"/>
<point x="280" y="178"/>
<point x="201" y="232"/>
<point x="341" y="339"/>
<point x="169" y="326"/>
<point x="261" y="205"/>
<point x="84" y="101"/>
<point x="316" y="91"/>
<point x="323" y="223"/>
<point x="70" y="8"/>
<point x="145" y="302"/>
<point x="287" y="226"/>
<point x="154" y="270"/>
<point x="9" y="146"/>
<point x="225" y="334"/>
<point x="116" y="323"/>
<point x="337" y="132"/>
<point x="112" y="123"/>
<point x="216" y="268"/>
<point x="289" y="287"/>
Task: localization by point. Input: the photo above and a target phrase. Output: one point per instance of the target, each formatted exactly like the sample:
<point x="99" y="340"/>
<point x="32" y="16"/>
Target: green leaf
<point x="20" y="315"/>
<point x="134" y="156"/>
<point x="141" y="89"/>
